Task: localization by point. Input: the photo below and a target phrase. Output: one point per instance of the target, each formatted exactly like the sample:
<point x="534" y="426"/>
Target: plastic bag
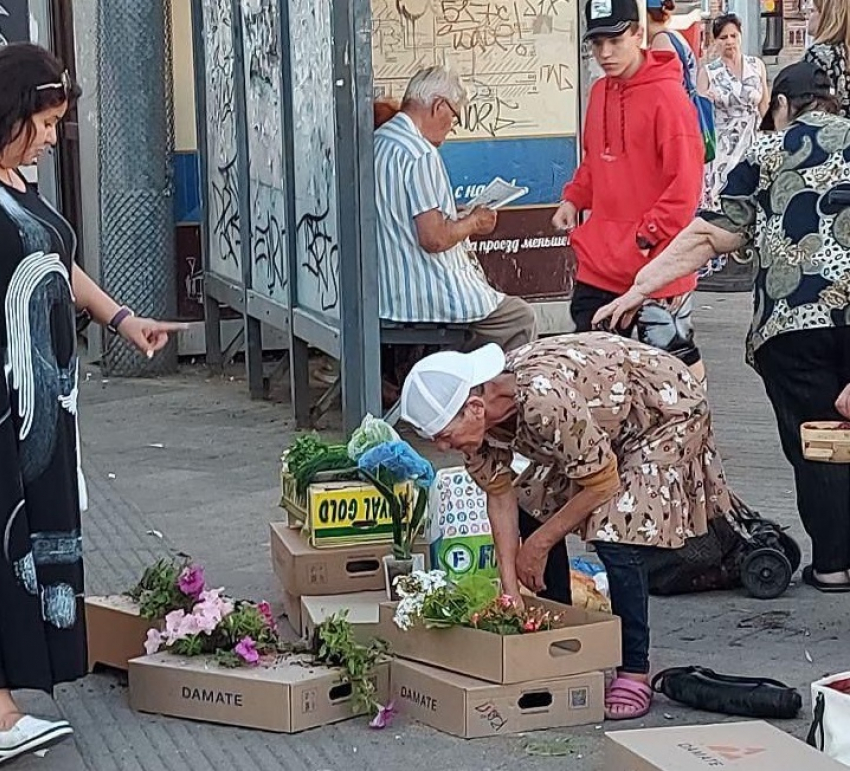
<point x="399" y="460"/>
<point x="371" y="432"/>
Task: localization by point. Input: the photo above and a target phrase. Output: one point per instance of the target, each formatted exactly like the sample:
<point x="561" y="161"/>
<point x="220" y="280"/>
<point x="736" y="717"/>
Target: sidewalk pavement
<point x="189" y="463"/>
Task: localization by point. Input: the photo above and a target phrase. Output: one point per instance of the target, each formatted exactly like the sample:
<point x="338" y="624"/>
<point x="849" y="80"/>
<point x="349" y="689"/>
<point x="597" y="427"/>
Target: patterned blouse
<point x="778" y="197"/>
<point x="832" y="59"/>
<point x="585" y="400"/>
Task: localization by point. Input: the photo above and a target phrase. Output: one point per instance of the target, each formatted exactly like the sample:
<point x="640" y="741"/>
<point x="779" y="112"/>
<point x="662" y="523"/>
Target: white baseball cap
<point x="438" y="386"/>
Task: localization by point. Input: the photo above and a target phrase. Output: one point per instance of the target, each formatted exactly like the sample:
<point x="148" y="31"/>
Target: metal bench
<point x="401" y="333"/>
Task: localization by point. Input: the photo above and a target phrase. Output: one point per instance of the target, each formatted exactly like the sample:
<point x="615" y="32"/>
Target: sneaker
<point x="30" y="734"/>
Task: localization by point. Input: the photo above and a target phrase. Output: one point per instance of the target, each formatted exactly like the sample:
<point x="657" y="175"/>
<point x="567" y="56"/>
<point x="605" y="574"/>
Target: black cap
<point x="609" y="18"/>
<point x="795" y="81"/>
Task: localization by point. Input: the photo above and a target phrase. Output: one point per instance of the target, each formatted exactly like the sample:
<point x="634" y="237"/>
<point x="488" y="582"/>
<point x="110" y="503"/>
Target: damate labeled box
<point x="584" y="641"/>
<point x="472" y="709"/>
<point x="286" y="695"/>
<point x="116" y="631"/>
<point x="748" y="746"/>
<point x="304" y="570"/>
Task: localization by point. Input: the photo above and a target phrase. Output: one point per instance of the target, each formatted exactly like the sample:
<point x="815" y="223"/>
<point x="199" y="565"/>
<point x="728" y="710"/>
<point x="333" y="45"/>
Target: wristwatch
<point x="115" y="321"/>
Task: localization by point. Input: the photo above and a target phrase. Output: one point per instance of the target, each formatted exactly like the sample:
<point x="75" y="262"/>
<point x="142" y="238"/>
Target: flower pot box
<point x="304" y="570"/>
<point x="472" y="709"/>
<point x="116" y="631"/>
<point x="292" y="610"/>
<point x="588" y="641"/>
<point x="339" y="513"/>
<point x="284" y="696"/>
<point x="362" y="610"/>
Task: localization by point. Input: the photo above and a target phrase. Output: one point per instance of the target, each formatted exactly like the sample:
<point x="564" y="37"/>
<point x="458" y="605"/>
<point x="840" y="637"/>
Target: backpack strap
<point x="690" y="86"/>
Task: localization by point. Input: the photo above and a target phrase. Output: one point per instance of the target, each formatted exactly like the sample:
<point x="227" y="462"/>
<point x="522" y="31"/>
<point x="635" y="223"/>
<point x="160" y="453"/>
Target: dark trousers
<point x="556" y="576"/>
<point x="803" y="374"/>
<point x="628" y="582"/>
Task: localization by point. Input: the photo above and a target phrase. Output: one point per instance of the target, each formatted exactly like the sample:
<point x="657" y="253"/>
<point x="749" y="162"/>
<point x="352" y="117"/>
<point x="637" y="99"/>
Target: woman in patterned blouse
<point x="619" y="439"/>
<point x="830" y="25"/>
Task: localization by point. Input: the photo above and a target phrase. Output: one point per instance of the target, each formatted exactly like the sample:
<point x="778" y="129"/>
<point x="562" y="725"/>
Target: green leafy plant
<point x="431" y="600"/>
<point x="308" y="455"/>
<point x="158" y="591"/>
<point x="333" y="645"/>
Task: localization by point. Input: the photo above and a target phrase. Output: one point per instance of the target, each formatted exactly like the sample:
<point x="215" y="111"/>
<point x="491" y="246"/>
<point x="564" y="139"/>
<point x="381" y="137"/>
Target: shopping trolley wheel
<point x="766" y="573"/>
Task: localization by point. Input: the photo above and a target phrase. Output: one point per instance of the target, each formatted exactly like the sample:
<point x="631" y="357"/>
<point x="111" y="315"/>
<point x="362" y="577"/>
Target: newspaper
<point x="497" y="194"/>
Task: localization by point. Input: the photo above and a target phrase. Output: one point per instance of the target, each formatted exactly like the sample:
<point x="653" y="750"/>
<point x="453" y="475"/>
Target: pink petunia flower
<point x="191" y="581"/>
<point x="266" y="612"/>
<point x="154" y="641"/>
<point x="506" y="601"/>
<point x="384" y="717"/>
<point x="246" y="650"/>
<point x="530" y="625"/>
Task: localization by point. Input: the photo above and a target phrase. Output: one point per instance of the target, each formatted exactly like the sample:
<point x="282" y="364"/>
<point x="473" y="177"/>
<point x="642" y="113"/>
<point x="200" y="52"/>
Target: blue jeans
<point x="628" y="582"/>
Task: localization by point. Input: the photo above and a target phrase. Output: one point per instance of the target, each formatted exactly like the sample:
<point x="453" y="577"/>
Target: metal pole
<point x="135" y="103"/>
<point x="212" y="312"/>
<point x="253" y="327"/>
<point x="355" y="177"/>
<point x="299" y="350"/>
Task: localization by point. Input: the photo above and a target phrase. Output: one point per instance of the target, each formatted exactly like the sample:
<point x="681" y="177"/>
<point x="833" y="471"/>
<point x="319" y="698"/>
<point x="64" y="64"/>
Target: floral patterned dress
<point x="583" y="400"/>
<point x="736" y="117"/>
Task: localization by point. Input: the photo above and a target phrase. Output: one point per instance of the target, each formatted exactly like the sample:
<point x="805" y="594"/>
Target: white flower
<point x="618" y="393"/>
<point x="627" y="503"/>
<point x="671" y="475"/>
<point x="608" y="533"/>
<point x="668" y="394"/>
<point x="649" y="530"/>
<point x="577" y="356"/>
<point x="541" y="384"/>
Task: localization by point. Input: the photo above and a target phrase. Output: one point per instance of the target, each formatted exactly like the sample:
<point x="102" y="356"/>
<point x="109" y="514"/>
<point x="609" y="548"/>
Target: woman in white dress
<point x="737" y="84"/>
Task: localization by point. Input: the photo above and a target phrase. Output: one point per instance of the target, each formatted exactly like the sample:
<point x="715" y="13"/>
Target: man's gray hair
<point x="433" y="83"/>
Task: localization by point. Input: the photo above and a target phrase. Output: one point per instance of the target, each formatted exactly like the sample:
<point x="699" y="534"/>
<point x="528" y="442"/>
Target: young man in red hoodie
<point x="640" y="178"/>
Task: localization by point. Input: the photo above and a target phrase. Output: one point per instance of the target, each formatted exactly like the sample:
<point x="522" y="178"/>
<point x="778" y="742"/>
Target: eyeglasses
<point x="453" y="111"/>
<point x="65" y="84"/>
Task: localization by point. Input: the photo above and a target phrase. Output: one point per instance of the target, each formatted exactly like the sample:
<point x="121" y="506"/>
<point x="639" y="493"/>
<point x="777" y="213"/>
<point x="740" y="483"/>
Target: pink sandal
<point x="627" y="699"/>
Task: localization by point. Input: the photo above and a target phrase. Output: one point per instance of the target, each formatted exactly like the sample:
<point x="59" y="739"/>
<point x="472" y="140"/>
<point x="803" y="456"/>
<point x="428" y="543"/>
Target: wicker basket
<point x="827" y="441"/>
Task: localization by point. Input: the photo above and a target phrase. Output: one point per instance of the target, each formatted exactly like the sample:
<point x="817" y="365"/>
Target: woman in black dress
<point x="42" y="632"/>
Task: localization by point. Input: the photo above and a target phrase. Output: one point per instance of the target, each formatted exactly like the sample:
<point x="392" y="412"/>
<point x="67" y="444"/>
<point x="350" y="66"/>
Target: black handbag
<point x="704" y="689"/>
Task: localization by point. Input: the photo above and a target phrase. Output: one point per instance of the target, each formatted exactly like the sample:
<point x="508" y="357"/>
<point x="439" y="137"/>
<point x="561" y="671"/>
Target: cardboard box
<point x="749" y="746"/>
<point x="304" y="570"/>
<point x="362" y="610"/>
<point x="284" y="697"/>
<point x="588" y="642"/>
<point x="116" y="632"/>
<point x="292" y="610"/>
<point x="460" y="538"/>
<point x="473" y="709"/>
<point x="340" y="513"/>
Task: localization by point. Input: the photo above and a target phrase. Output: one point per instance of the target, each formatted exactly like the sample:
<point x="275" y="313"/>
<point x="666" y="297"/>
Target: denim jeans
<point x="556" y="576"/>
<point x="628" y="582"/>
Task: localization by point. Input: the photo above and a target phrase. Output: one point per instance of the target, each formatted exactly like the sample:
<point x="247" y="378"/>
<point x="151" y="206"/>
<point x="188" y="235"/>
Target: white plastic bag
<point x="830" y="730"/>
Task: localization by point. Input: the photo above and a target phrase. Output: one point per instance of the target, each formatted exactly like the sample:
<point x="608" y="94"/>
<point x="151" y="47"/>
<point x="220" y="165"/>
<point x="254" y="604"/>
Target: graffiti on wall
<point x="314" y="184"/>
<point x="263" y="93"/>
<point x="516" y="56"/>
<point x="225" y="243"/>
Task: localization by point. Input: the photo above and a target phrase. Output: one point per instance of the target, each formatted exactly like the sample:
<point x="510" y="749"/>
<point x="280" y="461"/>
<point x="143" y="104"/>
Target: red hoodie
<point x="641" y="173"/>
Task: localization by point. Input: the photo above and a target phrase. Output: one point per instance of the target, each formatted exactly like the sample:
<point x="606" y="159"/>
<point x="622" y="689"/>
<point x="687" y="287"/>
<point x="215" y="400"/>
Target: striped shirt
<point x="414" y="284"/>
